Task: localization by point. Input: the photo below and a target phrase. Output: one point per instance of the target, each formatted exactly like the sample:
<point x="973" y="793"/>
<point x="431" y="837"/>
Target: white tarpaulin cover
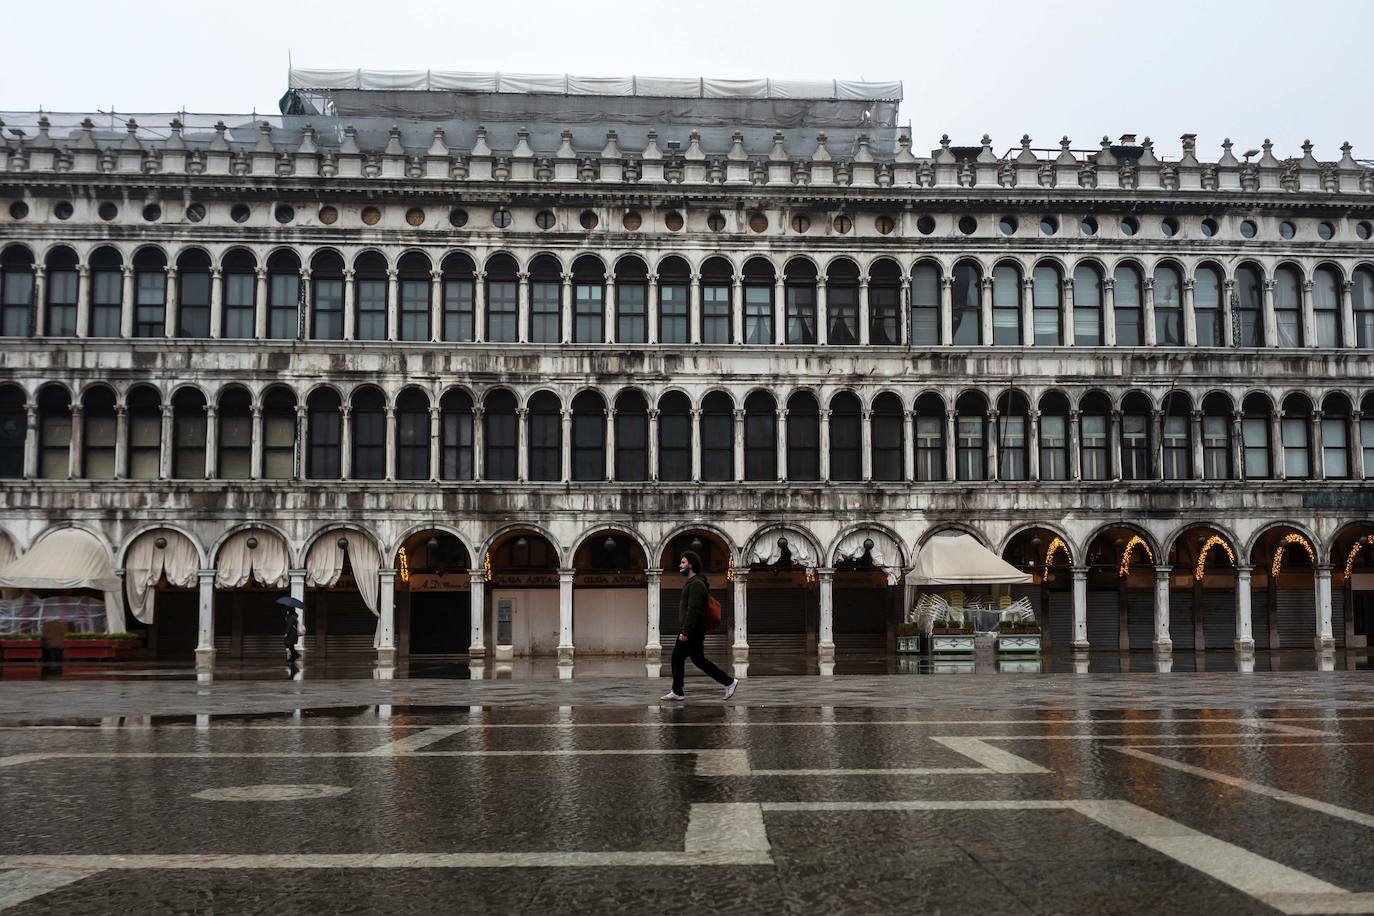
<point x="324" y="564"/>
<point x="69" y="558"/>
<point x="886" y="553"/>
<point x="959" y="559"/>
<point x="146" y="564"/>
<point x="268" y="561"/>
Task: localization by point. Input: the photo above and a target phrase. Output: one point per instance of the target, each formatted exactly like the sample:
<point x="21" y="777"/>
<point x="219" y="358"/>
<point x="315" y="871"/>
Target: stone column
<point x="951" y="456"/>
<point x="991" y="431"/>
<point x="610" y="311"/>
<point x="737" y="309"/>
<point x="822" y="312"/>
<point x="1198" y="472"/>
<point x="1347" y="316"/>
<point x="740" y="649"/>
<point x="30" y="442"/>
<point x="1325" y="642"/>
<point x="522" y="306"/>
<point x="694" y="310"/>
<point x="739" y="443"/>
<point x="436" y="305"/>
<point x="1237" y="444"/>
<point x="565" y="615"/>
<point x="301" y="464"/>
<point x="779" y="310"/>
<point x="1357" y="468"/>
<point x="908" y="446"/>
<point x="566" y="449"/>
<point x="985" y="311"/>
<point x="1067" y="335"/>
<point x="866" y="444"/>
<point x="651" y="308"/>
<point x="1075" y="447"/>
<point x="478" y="608"/>
<point x="345" y="442"/>
<point x="653" y="444"/>
<point x="1228" y="330"/>
<point x="390" y="442"/>
<point x="782" y="443"/>
<point x="479" y="443"/>
<point x="1156" y="457"/>
<point x="165" y="443"/>
<point x="297" y="577"/>
<point x="1162" y="643"/>
<point x="522" y="438"/>
<point x="946" y="311"/>
<point x="1033" y="446"/>
<point x="211" y="442"/>
<point x="1027" y="312"/>
<point x="826" y="645"/>
<point x="1309" y="320"/>
<point x="1080" y="608"/>
<point x="479" y="307"/>
<point x="74" y="448"/>
<point x="435" y="441"/>
<point x="1278" y="471"/>
<point x="566" y="305"/>
<point x="172" y="304"/>
<point x="260" y="305"/>
<point x="865" y="332"/>
<point x="350" y="306"/>
<point x="1114" y="446"/>
<point x="653" y="580"/>
<point x="121" y="442"/>
<point x="1318" y="453"/>
<point x="205" y="627"/>
<point x="126" y="305"/>
<point x="904" y="313"/>
<point x="1148" y="312"/>
<point x="386" y="618"/>
<point x="825" y="444"/>
<point x="1189" y="315"/>
<point x="255" y="446"/>
<point x="696" y="444"/>
<point x="83" y="300"/>
<point x="1271" y="326"/>
<point x="393" y="306"/>
<point x="610" y="444"/>
<point x="1245" y="638"/>
<point x="1109" y="311"/>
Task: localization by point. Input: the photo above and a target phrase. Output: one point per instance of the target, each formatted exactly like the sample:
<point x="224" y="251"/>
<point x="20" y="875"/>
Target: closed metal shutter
<point x="1140" y="618"/>
<point x="1219" y="621"/>
<point x="1060" y="624"/>
<point x="777" y="620"/>
<point x="1104" y="623"/>
<point x="1297" y="618"/>
<point x="861" y="620"/>
<point x="1259" y="617"/>
<point x="1338" y="616"/>
<point x="718" y="641"/>
<point x="1181" y="619"/>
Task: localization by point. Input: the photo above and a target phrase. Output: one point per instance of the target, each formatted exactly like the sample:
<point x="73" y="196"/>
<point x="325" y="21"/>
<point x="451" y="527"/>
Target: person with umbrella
<point x="294" y="628"/>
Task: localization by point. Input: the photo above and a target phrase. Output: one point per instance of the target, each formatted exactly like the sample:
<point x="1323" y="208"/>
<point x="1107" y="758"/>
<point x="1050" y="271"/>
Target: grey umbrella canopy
<point x="290" y="601"/>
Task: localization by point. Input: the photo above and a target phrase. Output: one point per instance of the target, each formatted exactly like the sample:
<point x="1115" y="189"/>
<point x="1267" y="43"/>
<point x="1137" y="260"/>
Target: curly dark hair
<point x="693" y="560"/>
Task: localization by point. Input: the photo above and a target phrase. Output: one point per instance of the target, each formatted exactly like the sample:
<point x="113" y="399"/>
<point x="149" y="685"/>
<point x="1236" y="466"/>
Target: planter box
<point x="951" y="644"/>
<point x="21" y="650"/>
<point x="79" y="649"/>
<point x="1019" y="643"/>
<point x="909" y="645"/>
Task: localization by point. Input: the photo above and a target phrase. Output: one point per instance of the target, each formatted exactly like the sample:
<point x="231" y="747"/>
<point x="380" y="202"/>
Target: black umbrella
<point x="291" y="601"/>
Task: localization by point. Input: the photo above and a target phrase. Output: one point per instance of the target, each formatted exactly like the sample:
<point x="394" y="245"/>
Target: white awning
<point x="959" y="559"/>
<point x="69" y="558"/>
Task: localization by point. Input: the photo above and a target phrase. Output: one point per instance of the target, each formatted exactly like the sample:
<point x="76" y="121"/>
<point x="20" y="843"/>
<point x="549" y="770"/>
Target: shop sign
<point x="432" y="582"/>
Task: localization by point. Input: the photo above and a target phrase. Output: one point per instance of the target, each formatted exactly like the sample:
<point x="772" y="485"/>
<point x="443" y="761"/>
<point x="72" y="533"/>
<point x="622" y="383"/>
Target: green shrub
<point x="16" y="636"/>
<point x="130" y="636"/>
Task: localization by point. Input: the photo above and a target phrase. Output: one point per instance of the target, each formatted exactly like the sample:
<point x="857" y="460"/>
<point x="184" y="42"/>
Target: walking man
<point x="691" y="614"/>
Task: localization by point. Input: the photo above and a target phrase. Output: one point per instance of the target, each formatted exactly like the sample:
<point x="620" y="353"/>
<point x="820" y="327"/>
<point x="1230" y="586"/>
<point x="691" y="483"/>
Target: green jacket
<point x="691" y="610"/>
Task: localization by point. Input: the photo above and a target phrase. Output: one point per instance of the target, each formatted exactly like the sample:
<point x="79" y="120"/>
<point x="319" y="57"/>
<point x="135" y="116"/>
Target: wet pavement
<point x="1169" y="792"/>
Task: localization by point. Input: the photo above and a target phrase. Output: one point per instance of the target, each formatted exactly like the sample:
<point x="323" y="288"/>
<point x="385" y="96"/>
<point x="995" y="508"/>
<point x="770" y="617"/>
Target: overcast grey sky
<point x="1248" y="70"/>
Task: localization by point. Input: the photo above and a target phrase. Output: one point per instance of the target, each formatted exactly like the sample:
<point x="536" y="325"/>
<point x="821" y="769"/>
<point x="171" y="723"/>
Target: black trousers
<point x="694" y="648"/>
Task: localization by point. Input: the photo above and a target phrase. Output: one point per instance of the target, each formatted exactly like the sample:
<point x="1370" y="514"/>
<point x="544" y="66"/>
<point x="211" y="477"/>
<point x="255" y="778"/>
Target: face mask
<point x="685" y="570"/>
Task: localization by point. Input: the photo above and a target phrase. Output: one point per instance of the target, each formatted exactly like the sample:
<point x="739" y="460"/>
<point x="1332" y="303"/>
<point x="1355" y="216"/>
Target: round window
<point x="240" y="213"/>
<point x="801" y="222"/>
<point x="715" y="221"/>
<point x="1209" y="228"/>
<point x="545" y="219"/>
<point x="500" y="218"/>
<point x="19" y="210"/>
<point x="63" y="209"/>
<point x="1007" y="225"/>
<point x="152" y="213"/>
<point x="284" y="213"/>
<point x="458" y="218"/>
<point x="1287" y="230"/>
<point x="108" y="211"/>
<point x="415" y="217"/>
<point x="1049" y="225"/>
<point x="925" y="225"/>
<point x="1088" y="226"/>
<point x="371" y="216"/>
<point x="329" y="215"/>
<point x="1248" y="229"/>
<point x="632" y="221"/>
<point x="1326" y="232"/>
<point x="1363" y="231"/>
<point x="588" y="220"/>
<point x="843" y="224"/>
<point x="968" y="225"/>
<point x="1168" y="227"/>
<point x="758" y="222"/>
<point x="884" y="224"/>
<point x="1130" y="226"/>
<point x="672" y="220"/>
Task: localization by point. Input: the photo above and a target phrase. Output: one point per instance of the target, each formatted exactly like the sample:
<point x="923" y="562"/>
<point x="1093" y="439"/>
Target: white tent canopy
<point x="958" y="559"/>
<point x="66" y="559"/>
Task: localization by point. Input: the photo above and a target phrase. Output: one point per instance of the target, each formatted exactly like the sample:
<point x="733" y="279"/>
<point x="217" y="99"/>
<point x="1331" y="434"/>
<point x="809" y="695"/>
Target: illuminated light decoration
<point x="1135" y="541"/>
<point x="486" y="567"/>
<point x="730" y="570"/>
<point x="403" y="567"/>
<point x="1057" y="544"/>
<point x="1293" y="538"/>
<point x="810" y="575"/>
<point x="1215" y="540"/>
<point x="1368" y="539"/>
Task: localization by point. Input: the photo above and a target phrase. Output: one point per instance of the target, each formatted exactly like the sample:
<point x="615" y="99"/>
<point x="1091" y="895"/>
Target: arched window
<point x="1249" y="305"/>
<point x="674" y="291"/>
<point x="967" y="316"/>
<point x="55" y="432"/>
<point x="631" y="301"/>
<point x="1054" y="435"/>
<point x="412" y="435"/>
<point x="803" y="437"/>
<point x="503" y="295"/>
<point x="589" y="298"/>
<point x="1326" y="307"/>
<point x="1216" y="437"/>
<point x="13" y="429"/>
<point x="234" y="435"/>
<point x="1006" y="305"/>
<point x="589" y="436"/>
<point x="414" y="283"/>
<point x="930" y="438"/>
<point x="1094" y="430"/>
<point x="239" y="278"/>
<point x="760" y="437"/>
<point x="368" y="417"/>
<point x="1295" y="428"/>
<point x="369" y="298"/>
<point x="674" y="437"/>
<point x="1255" y="425"/>
<point x="1168" y="306"/>
<point x="925" y="304"/>
<point x="546" y="300"/>
<point x="144" y="408"/>
<point x="499" y="436"/>
<point x="1207" y="306"/>
<point x="324" y="460"/>
<point x="1367" y="435"/>
<point x="842" y="303"/>
<point x="283" y="295"/>
<point x="1176" y="450"/>
<point x="458" y="283"/>
<point x="717" y="280"/>
<point x="846" y="437"/>
<point x="1336" y="437"/>
<point x="327" y="291"/>
<point x="887" y="424"/>
<point x="1135" y="437"/>
<point x="16" y="292"/>
<point x="193" y="295"/>
<point x="279" y="433"/>
<point x="1126" y="303"/>
<point x="1362" y="298"/>
<point x="455" y="435"/>
<point x="970" y="444"/>
<point x="1288" y="307"/>
<point x="62" y="288"/>
<point x="758" y="302"/>
<point x="150" y="293"/>
<point x="98" y="433"/>
<point x="107" y="292"/>
<point x="1087" y="306"/>
<point x="1013" y="436"/>
<point x="884" y="302"/>
<point x="631" y="436"/>
<point x="717" y="437"/>
<point x="545" y="436"/>
<point x="1046" y="300"/>
<point x="188" y="434"/>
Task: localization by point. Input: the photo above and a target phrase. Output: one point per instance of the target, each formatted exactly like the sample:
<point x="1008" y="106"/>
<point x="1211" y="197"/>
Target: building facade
<point x="467" y="382"/>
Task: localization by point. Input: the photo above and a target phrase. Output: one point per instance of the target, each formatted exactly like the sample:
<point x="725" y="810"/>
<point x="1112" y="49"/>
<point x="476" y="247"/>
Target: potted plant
<point x="951" y="634"/>
<point x="99" y="645"/>
<point x="909" y="637"/>
<point x="21" y="647"/>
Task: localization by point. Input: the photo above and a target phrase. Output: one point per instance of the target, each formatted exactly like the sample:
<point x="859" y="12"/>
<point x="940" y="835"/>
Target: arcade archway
<point x="433" y="595"/>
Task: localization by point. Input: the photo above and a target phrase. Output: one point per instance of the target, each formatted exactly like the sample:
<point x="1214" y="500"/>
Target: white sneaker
<point x="672" y="695"/>
<point x="730" y="688"/>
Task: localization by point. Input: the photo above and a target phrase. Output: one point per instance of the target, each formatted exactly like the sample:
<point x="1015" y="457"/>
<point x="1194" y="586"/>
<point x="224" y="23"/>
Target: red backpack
<point x="712" y="612"/>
